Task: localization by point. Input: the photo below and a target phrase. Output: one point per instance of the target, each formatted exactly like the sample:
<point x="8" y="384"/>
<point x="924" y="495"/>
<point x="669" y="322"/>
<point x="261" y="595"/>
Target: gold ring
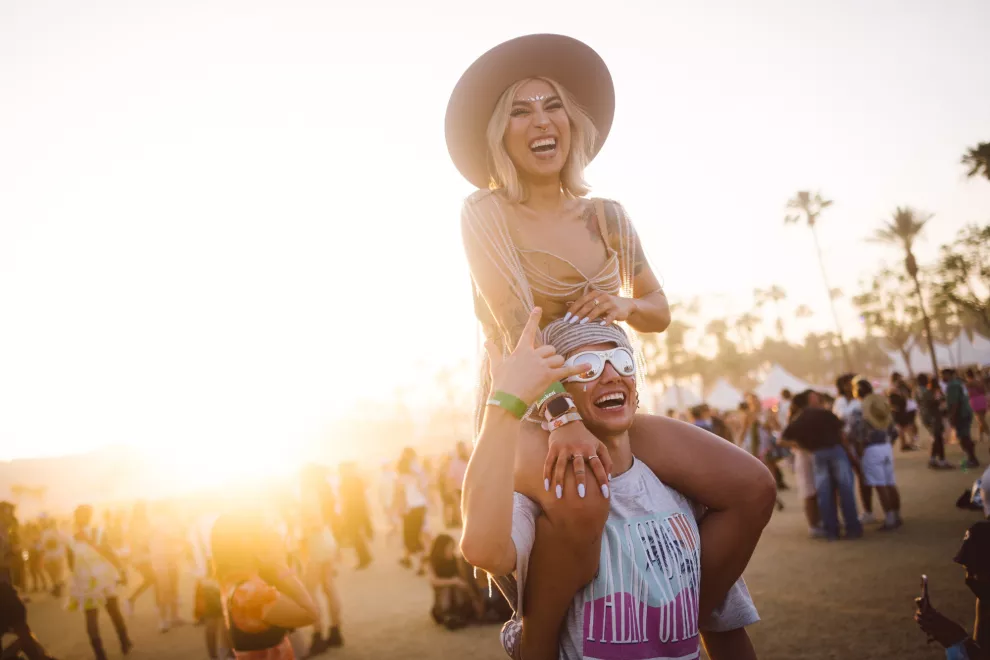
<point x="576" y="457"/>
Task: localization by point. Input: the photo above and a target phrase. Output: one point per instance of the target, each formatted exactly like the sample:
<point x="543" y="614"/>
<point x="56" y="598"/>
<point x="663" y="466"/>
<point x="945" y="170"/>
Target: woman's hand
<point x="596" y="305"/>
<point x="574" y="442"/>
<point x="528" y="371"/>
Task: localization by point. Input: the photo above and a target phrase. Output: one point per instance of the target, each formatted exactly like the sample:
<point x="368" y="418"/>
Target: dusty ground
<point x="818" y="600"/>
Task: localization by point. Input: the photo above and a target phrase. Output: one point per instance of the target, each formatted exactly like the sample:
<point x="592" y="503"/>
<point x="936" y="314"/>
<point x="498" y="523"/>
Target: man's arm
<point x="486" y="501"/>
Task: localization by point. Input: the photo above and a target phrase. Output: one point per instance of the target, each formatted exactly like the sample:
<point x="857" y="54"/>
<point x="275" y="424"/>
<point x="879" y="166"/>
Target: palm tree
<point x="810" y="208"/>
<point x="803" y="312"/>
<point x="746" y="324"/>
<point x="977" y="159"/>
<point x="902" y="229"/>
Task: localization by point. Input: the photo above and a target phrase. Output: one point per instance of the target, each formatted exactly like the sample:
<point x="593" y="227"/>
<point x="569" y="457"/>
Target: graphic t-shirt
<point x="643" y="604"/>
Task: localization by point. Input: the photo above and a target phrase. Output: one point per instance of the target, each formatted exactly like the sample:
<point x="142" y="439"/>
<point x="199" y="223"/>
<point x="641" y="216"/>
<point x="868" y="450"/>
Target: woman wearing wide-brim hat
<point x="522" y="123"/>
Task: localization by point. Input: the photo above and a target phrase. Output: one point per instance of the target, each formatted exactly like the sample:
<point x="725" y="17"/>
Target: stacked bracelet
<point x="551" y="392"/>
<point x="510" y="402"/>
<point x="564" y="419"/>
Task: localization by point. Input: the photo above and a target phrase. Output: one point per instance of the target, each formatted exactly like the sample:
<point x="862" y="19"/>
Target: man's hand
<point x="529" y="370"/>
<point x="937" y="626"/>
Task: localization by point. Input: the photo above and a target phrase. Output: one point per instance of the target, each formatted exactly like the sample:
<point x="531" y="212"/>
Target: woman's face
<point x="538" y="137"/>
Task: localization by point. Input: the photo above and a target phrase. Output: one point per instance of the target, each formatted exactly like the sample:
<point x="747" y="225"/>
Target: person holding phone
<point x="974" y="556"/>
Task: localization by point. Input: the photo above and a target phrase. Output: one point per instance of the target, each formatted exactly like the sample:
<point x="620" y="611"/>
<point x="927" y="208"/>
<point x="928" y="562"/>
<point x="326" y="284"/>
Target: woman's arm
<point x="294" y="607"/>
<point x="737" y="488"/>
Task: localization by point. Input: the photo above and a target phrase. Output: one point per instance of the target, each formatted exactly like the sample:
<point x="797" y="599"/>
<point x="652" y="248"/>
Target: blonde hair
<point x="584" y="135"/>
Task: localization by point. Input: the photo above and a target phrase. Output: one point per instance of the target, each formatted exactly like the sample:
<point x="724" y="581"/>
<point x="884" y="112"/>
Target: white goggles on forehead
<point x="620" y="358"/>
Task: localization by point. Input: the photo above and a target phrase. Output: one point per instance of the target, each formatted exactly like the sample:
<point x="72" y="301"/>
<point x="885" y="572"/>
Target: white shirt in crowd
<point x="643" y="604"/>
<point x="842" y="407"/>
<point x="783" y="412"/>
<point x="414" y="491"/>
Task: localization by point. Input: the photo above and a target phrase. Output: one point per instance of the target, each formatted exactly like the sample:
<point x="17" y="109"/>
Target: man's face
<point x="607" y="405"/>
<point x="814" y="401"/>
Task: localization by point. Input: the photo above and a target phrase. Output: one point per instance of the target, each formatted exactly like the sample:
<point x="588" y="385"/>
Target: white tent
<point x="779" y="379"/>
<point x="919" y="361"/>
<point x="965" y="351"/>
<point x="724" y="396"/>
<point x="677" y="397"/>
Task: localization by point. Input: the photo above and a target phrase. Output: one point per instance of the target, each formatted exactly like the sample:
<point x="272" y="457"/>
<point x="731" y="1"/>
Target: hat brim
<point x="573" y="64"/>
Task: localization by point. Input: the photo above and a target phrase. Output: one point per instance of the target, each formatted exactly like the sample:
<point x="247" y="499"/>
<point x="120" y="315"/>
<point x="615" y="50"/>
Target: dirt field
<point x="818" y="600"/>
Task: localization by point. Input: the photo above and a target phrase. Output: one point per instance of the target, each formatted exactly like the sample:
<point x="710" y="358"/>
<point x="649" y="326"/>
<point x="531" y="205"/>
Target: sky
<point x="228" y="224"/>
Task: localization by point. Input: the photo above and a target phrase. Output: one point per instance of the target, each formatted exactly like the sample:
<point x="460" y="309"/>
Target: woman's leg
<point x="333" y="605"/>
<point x="211" y="627"/>
<point x="93" y="631"/>
<point x="113" y="609"/>
<point x="737" y="488"/>
<point x="147" y="581"/>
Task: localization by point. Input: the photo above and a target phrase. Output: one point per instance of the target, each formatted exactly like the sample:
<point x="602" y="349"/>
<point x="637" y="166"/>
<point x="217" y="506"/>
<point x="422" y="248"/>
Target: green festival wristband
<point x="552" y="391"/>
<point x="510" y="402"/>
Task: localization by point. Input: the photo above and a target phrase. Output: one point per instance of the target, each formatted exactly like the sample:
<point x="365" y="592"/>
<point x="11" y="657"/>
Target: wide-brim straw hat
<point x="572" y="63"/>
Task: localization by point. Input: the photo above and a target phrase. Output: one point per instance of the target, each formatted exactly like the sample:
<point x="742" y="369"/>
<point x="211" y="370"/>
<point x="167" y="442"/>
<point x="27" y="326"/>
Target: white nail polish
<point x="567" y="316"/>
<point x="546" y="485"/>
<point x="560" y="492"/>
<point x="603" y="323"/>
<point x="605" y="490"/>
<point x="584" y="320"/>
<point x="574" y="319"/>
<point x="581" y="490"/>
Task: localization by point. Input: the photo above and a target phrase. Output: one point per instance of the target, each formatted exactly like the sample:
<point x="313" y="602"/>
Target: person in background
<point x="410" y="498"/>
<point x="95" y="573"/>
<point x="843" y="408"/>
<point x="870" y="426"/>
<point x="386" y="499"/>
<point x="784" y="408"/>
<point x="262" y="598"/>
<point x="208" y="608"/>
<point x="820" y="432"/>
<point x="11" y="557"/>
<point x="759" y="441"/>
<point x="318" y="515"/>
<point x="456" y="601"/>
<point x="140" y="544"/>
<point x="53" y="554"/>
<point x="978" y="402"/>
<point x="905" y="410"/>
<point x="455" y="480"/>
<point x="974" y="556"/>
<point x="35" y="561"/>
<point x="804" y="474"/>
<point x="168" y="547"/>
<point x="13" y="621"/>
<point x="354" y="513"/>
<point x="701" y="415"/>
<point x="930" y="405"/>
<point x="960" y="415"/>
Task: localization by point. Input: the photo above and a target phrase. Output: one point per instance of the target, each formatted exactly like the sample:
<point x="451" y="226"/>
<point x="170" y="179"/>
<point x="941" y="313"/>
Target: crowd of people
<point x="841" y="444"/>
<point x="238" y="555"/>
